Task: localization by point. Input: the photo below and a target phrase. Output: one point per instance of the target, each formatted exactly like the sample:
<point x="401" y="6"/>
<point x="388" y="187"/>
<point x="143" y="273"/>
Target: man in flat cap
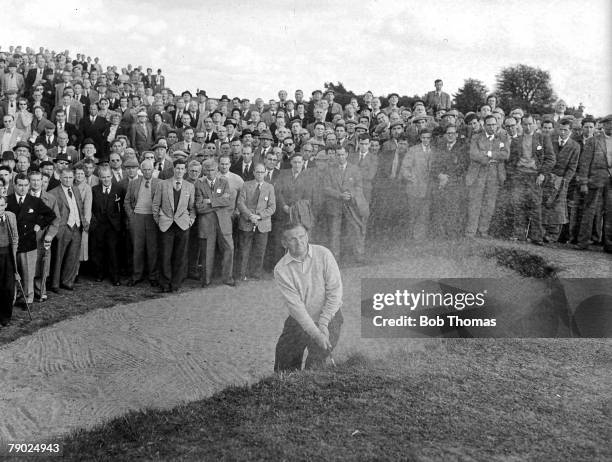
<point x="141" y="132"/>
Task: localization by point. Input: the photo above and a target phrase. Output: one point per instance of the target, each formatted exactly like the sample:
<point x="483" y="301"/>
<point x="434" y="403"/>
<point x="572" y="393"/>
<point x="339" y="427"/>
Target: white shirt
<point x="73" y="216"/>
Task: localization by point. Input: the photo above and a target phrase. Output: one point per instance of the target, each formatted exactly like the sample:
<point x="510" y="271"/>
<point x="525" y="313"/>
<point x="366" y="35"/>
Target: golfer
<point x="309" y="280"/>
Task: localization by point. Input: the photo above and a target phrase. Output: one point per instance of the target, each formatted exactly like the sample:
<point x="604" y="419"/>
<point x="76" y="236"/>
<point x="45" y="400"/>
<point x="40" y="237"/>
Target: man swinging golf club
<point x="310" y="283"/>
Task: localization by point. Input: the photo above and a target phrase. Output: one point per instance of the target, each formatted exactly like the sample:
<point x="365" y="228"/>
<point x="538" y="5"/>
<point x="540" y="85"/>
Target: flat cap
<point x="48" y="125"/>
<point x="142" y="112"/>
<point x="130" y="162"/>
<point x="63" y="156"/>
<point x="22" y="144"/>
<point x="397" y="123"/>
<point x="159" y="145"/>
<point x="179" y="153"/>
<point x="87" y="141"/>
<point x="361" y="126"/>
<point x="45" y="163"/>
<point x="8" y="155"/>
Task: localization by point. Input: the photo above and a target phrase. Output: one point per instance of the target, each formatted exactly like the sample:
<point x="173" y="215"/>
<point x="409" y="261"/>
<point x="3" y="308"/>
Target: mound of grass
<point x="457" y="400"/>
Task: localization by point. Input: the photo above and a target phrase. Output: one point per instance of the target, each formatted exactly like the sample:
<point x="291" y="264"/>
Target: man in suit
<point x="346" y="207"/>
<point x="415" y="172"/>
<point x="531" y="159"/>
<point x="272" y="172"/>
<point x="388" y="196"/>
<point x="257" y="204"/>
<point x="9" y="240"/>
<point x="141" y="133"/>
<point x="187" y="145"/>
<point x="292" y="186"/>
<point x="32" y="216"/>
<point x="74" y="136"/>
<point x="554" y="195"/>
<point x="35" y="75"/>
<point x="244" y="168"/>
<point x="72" y="220"/>
<point x="173" y="212"/>
<point x="12" y="80"/>
<point x="93" y="127"/>
<point x="44" y="237"/>
<point x="106" y="210"/>
<point x="47" y="137"/>
<point x="62" y="148"/>
<point x="10" y="135"/>
<point x="595" y="180"/>
<point x="367" y="163"/>
<point x="437" y="99"/>
<point x="215" y="206"/>
<point x="486" y="173"/>
<point x="60" y="87"/>
<point x="72" y="109"/>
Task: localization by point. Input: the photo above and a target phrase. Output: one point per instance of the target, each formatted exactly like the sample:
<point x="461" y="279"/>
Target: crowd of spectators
<point x="114" y="173"/>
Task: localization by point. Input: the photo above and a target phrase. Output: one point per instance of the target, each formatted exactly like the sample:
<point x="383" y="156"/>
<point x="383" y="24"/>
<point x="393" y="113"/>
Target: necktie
<point x="3" y="219"/>
<point x="70" y="193"/>
<point x="20" y="201"/>
<point x="48" y="140"/>
<point x="270" y="175"/>
<point x="147" y="183"/>
<point x="561" y="144"/>
<point x="159" y="167"/>
<point x="256" y="196"/>
<point x="106" y="190"/>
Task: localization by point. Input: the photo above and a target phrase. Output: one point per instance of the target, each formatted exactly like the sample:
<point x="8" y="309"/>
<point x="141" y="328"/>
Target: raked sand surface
<point x="164" y="352"/>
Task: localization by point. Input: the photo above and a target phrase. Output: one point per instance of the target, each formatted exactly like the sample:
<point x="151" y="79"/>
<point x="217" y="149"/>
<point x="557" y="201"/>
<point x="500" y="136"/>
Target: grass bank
<point x="457" y="400"/>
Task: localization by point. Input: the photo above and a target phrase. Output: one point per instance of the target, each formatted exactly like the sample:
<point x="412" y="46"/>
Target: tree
<point x="526" y="87"/>
<point x="342" y="95"/>
<point x="471" y="96"/>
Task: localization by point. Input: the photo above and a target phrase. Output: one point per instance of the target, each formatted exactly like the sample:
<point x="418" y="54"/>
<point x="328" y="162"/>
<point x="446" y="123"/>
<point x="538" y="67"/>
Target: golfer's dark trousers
<point x="294" y="340"/>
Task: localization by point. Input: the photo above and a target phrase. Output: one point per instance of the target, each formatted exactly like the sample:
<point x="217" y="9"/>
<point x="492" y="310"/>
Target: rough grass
<point x="457" y="400"/>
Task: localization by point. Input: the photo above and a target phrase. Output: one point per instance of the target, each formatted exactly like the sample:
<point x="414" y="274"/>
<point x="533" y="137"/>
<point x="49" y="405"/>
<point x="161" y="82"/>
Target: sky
<point x="255" y="48"/>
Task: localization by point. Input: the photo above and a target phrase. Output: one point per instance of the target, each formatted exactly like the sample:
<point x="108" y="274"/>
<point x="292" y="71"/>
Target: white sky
<point x="254" y="48"/>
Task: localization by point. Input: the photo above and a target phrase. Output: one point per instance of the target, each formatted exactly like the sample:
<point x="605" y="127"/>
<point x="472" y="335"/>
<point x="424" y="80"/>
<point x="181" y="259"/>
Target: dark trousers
<point x="66" y="256"/>
<point x="144" y="239"/>
<point x="105" y="239"/>
<point x="251" y="250"/>
<point x="294" y="340"/>
<point x="526" y="200"/>
<point x="173" y="244"/>
<point x="592" y="203"/>
<point x="194" y="251"/>
<point x="7" y="284"/>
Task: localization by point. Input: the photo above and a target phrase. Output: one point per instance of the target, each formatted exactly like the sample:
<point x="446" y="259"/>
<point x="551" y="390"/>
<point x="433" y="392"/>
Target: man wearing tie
<point x="68" y="236"/>
<point x="256" y="204"/>
<point x="138" y="206"/>
<point x="173" y="212"/>
<point x="32" y="216"/>
<point x="214" y="205"/>
<point x="244" y="167"/>
<point x="107" y="198"/>
<point x="141" y="134"/>
<point x="44" y="237"/>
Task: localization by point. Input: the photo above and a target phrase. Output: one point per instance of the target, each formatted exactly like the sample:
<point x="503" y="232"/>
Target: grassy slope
<point x="458" y="400"/>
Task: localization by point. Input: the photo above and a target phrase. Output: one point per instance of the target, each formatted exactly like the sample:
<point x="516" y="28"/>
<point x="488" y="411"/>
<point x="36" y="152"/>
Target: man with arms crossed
<point x="314" y="319"/>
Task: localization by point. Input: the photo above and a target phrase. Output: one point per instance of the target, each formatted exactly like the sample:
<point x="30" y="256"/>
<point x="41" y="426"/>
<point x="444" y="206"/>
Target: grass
<point x="457" y="400"/>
